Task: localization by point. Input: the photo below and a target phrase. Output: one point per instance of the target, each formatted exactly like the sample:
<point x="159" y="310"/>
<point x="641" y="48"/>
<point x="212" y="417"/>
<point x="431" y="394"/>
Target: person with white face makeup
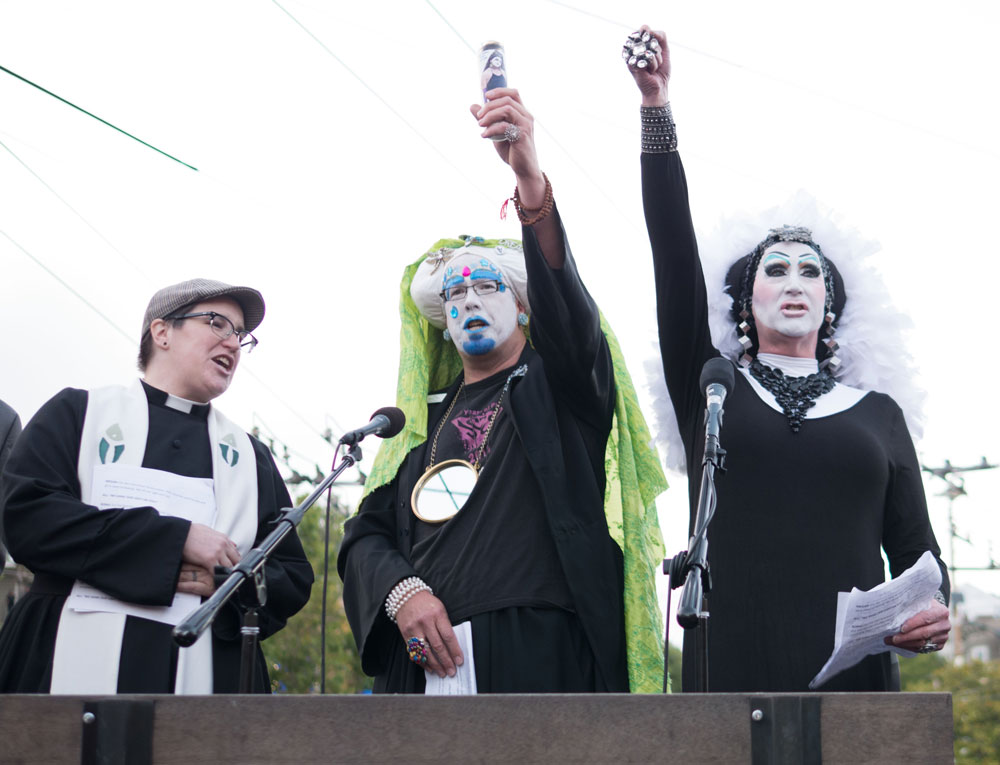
<point x="821" y="474"/>
<point x="59" y="524"/>
<point x="530" y="547"/>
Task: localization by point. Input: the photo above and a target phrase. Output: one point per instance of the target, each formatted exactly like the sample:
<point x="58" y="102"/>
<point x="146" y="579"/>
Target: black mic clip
<point x="718" y="459"/>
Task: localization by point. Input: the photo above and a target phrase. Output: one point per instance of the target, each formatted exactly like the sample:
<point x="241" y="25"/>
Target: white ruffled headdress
<point x="870" y="331"/>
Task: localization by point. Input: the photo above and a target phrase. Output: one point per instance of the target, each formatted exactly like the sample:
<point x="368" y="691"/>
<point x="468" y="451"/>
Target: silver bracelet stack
<point x="659" y="134"/>
<point x="402" y="592"/>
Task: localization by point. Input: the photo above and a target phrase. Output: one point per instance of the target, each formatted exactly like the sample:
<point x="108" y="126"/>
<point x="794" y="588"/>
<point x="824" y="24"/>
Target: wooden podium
<point x="717" y="728"/>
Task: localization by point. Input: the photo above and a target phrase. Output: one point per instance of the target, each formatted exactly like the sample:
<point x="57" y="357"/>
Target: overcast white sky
<point x="335" y="147"/>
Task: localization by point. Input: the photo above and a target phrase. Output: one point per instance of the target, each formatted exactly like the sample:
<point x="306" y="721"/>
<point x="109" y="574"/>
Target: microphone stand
<point x="250" y="571"/>
<point x="691" y="566"/>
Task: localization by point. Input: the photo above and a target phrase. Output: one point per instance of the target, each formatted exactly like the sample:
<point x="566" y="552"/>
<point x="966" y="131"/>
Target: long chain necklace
<point x="795" y="395"/>
<point x="519" y="372"/>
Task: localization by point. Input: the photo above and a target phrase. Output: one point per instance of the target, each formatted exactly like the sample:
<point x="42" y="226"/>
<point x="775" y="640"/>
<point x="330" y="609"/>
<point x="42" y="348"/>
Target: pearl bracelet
<point x="402" y="592"/>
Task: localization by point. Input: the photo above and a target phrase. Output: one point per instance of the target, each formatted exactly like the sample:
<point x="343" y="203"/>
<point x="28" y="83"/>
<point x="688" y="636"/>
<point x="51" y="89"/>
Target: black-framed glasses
<point x="459" y="291"/>
<point x="224" y="328"/>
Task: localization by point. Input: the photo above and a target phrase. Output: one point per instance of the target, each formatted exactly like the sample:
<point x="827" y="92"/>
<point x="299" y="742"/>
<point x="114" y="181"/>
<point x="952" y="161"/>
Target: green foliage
<point x="674" y="668"/>
<point x="916" y="673"/>
<point x="293" y="654"/>
<point x="975" y="695"/>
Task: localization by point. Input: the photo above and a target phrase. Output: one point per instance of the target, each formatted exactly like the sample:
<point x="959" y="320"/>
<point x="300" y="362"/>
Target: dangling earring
<point x="743" y="336"/>
<point x="522" y="319"/>
<point x="832" y="361"/>
<point x="447" y="335"/>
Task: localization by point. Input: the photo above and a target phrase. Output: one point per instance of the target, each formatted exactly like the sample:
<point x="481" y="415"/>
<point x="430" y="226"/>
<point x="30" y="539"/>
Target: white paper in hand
<point x="464" y="681"/>
<point x="128" y="486"/>
<point x="865" y="619"/>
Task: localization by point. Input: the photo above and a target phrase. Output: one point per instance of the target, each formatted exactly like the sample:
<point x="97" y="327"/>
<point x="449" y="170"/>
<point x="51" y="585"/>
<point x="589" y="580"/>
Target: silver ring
<point x="194" y="576"/>
<point x="512" y="132"/>
<point x="928" y="647"/>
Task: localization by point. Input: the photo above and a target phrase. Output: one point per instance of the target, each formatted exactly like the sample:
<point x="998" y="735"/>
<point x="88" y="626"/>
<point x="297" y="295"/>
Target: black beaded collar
<point x="795" y="395"/>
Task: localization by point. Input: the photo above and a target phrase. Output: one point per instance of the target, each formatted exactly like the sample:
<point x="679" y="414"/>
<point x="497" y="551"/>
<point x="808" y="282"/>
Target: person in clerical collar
<point x="138" y="554"/>
<point x="175" y="352"/>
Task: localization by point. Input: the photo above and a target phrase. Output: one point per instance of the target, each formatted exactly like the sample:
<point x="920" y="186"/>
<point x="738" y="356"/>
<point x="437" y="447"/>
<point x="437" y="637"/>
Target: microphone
<point x="385" y="423"/>
<point x="717" y="379"/>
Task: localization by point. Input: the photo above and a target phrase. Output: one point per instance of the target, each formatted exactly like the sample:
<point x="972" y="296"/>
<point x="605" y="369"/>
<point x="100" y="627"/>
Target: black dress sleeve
<point x="10" y="429"/>
<point x="907" y="531"/>
<point x="370" y="565"/>
<point x="681" y="298"/>
<point x="288" y="573"/>
<point x="566" y="333"/>
<point x="133" y="555"/>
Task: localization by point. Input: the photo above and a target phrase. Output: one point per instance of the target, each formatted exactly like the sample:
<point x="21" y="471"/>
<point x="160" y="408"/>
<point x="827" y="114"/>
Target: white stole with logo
<point x="115" y="429"/>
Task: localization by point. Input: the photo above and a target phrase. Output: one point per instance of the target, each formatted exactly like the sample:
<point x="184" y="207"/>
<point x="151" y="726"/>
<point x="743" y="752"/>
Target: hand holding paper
<point x="930" y="626"/>
<point x="868" y="621"/>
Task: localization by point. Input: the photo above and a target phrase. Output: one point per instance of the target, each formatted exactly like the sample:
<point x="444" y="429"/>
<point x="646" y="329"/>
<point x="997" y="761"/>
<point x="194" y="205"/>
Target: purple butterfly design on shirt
<point x="471" y="424"/>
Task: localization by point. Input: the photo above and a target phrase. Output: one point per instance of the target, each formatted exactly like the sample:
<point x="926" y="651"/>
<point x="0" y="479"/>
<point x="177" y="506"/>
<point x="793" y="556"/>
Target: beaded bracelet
<point x="659" y="134"/>
<point x="542" y="213"/>
<point x="402" y="592"/>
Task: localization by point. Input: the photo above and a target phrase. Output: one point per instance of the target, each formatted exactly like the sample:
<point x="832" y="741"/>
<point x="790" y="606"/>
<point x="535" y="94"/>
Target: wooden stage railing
<point x="718" y="728"/>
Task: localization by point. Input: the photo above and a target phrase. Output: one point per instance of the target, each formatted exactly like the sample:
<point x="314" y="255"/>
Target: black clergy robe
<point x="131" y="554"/>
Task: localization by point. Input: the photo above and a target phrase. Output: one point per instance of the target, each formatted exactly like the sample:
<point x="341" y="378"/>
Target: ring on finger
<point x="194" y="576"/>
<point x="928" y="647"/>
<point x="639" y="49"/>
<point x="512" y="132"/>
<point x="416" y="648"/>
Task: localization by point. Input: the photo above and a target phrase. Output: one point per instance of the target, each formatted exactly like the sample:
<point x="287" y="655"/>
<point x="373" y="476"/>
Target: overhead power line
<point x="128" y="337"/>
<point x="790" y="83"/>
<point x="89" y="114"/>
<point x="75" y="212"/>
<point x="538" y="123"/>
<point x="69" y="287"/>
<point x="451" y="27"/>
<point x="387" y="105"/>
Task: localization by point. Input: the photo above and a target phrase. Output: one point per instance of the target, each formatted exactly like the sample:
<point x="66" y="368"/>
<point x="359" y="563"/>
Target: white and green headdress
<point x="502" y="257"/>
<point x="427" y="363"/>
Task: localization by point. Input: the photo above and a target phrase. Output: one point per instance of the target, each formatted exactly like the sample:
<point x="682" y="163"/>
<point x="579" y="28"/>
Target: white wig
<point x="870" y="331"/>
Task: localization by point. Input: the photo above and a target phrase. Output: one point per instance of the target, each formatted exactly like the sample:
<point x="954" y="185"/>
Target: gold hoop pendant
<point x="443" y="490"/>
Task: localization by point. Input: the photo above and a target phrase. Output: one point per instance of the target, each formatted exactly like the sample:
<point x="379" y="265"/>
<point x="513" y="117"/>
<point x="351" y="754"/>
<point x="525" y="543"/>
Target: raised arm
<point x="504" y="114"/>
<point x="565" y="323"/>
<point x="681" y="298"/>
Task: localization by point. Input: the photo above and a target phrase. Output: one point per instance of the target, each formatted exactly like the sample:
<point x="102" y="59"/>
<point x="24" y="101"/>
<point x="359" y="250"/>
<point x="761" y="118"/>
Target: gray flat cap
<point x="171" y="299"/>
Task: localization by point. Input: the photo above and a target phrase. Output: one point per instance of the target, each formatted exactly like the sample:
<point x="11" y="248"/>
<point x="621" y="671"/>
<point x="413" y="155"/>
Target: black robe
<point x="10" y="429"/>
<point x="800" y="516"/>
<point x="562" y="409"/>
<point x="133" y="555"/>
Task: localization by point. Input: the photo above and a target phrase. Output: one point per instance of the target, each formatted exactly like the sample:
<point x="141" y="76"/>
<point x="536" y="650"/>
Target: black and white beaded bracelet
<point x="659" y="134"/>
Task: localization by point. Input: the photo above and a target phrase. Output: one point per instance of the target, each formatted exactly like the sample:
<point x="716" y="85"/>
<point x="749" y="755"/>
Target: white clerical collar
<point x="180" y="404"/>
<point x="792" y="366"/>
